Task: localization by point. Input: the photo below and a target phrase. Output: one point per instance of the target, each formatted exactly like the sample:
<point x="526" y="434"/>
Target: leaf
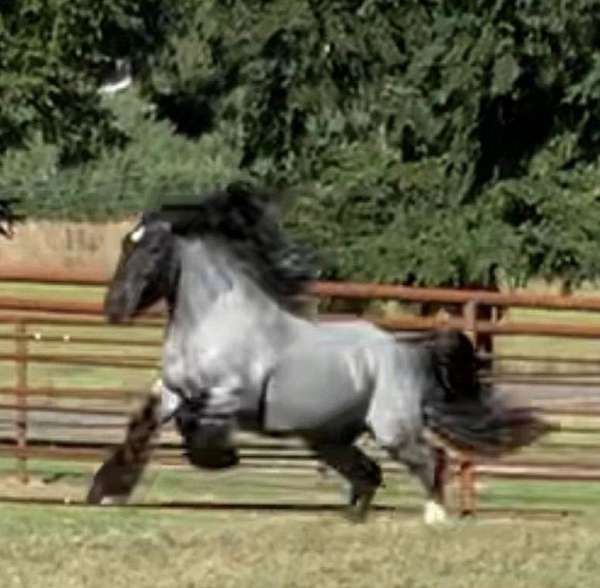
<point x="506" y="71"/>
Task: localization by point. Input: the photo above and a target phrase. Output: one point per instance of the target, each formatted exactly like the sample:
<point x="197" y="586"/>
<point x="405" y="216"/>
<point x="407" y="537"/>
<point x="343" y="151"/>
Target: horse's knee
<point x="420" y="461"/>
<point x="212" y="458"/>
<point x="207" y="442"/>
<point x="208" y="446"/>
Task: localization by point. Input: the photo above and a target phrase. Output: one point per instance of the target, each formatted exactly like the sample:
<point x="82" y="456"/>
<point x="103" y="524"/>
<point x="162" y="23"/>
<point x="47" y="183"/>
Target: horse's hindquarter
<point x="401" y="377"/>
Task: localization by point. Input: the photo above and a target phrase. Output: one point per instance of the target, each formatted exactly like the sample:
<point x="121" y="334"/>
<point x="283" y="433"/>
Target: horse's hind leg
<point x="363" y="474"/>
<point x="117" y="477"/>
<point x="424" y="462"/>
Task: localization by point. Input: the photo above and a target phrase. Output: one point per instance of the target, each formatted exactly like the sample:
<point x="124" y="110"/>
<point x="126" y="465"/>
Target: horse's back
<point x="357" y="332"/>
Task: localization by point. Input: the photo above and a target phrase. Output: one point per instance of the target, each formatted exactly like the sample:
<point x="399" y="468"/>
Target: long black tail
<point x="468" y="414"/>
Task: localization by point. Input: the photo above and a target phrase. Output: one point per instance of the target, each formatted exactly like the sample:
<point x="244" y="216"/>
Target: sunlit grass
<point x="95" y="548"/>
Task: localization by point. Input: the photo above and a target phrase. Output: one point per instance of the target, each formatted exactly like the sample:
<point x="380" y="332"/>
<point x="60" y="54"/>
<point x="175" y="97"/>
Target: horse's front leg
<point x="117" y="477"/>
<point x="207" y="423"/>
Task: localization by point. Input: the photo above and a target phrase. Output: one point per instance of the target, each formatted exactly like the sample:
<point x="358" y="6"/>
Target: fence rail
<point x="352" y="290"/>
<point x="36" y="333"/>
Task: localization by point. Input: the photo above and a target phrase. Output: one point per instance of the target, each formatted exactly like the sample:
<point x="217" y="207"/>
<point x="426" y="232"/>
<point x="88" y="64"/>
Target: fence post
<point x="466" y="479"/>
<point x="467" y="494"/>
<point x="441" y="471"/>
<point x="21" y="399"/>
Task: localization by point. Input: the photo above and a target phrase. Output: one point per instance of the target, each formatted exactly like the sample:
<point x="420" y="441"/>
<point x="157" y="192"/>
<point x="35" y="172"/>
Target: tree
<point x="53" y="56"/>
<point x="436" y="142"/>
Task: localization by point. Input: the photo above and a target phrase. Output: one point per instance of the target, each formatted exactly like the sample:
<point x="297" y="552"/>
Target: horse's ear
<point x="154" y="216"/>
<point x="175" y="217"/>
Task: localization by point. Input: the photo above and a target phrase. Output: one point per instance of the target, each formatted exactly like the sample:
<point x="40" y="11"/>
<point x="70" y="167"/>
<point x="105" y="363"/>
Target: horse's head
<point x="146" y="271"/>
<point x="7" y="217"/>
<point x="239" y="221"/>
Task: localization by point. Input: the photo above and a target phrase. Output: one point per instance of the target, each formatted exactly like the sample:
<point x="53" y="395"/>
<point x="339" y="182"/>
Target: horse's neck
<point x="214" y="295"/>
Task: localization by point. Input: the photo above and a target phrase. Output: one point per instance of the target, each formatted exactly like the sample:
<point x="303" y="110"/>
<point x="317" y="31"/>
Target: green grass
<point x="550" y="346"/>
<point x="60" y="480"/>
<point x="52" y="292"/>
<point x="69" y="481"/>
<point x="60" y="546"/>
<point x="95" y="548"/>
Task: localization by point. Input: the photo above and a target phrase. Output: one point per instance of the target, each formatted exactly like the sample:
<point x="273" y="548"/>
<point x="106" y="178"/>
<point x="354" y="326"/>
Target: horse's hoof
<point x="115" y="500"/>
<point x="355" y="515"/>
<point x="97" y="495"/>
<point x="359" y="507"/>
<point x="434" y="513"/>
<point x="99" y="498"/>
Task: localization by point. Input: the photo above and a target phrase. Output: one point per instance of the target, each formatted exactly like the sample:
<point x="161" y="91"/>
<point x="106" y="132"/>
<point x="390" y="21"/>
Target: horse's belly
<point x="314" y="392"/>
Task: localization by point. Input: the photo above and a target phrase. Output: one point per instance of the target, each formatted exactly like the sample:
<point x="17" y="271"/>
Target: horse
<point x="236" y="357"/>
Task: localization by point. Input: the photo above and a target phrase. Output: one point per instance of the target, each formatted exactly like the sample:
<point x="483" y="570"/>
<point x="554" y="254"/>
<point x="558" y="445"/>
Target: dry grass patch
<point x="101" y="548"/>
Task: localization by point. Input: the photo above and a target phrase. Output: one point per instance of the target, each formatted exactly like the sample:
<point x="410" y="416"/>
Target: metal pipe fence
<point x="30" y="329"/>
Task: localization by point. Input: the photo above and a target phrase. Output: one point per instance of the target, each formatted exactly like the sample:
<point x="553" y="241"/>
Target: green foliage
<point x="435" y="143"/>
<point x="53" y="54"/>
<point x="155" y="166"/>
<point x="431" y="142"/>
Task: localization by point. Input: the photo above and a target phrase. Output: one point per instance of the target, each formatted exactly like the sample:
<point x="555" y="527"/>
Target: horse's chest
<point x="200" y="366"/>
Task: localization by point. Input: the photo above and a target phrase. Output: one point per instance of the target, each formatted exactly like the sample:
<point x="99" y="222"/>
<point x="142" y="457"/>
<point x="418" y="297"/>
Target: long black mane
<point x="246" y="221"/>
